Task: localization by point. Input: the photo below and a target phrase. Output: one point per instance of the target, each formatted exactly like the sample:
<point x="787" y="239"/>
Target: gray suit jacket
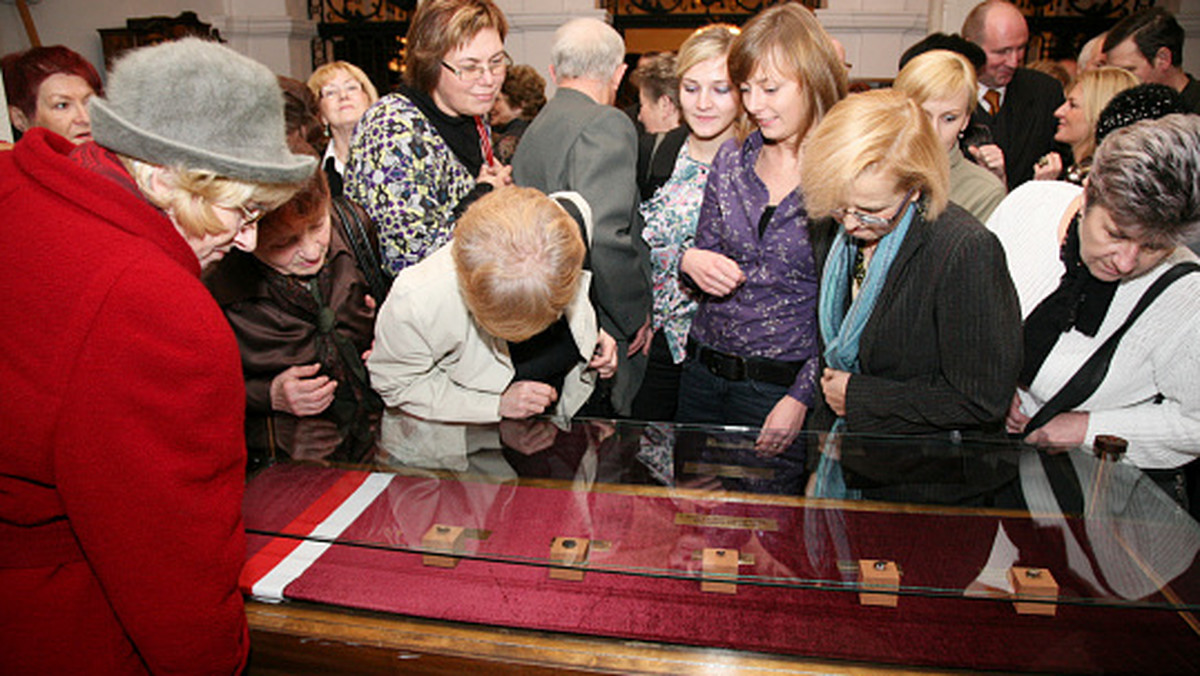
<point x="578" y="144"/>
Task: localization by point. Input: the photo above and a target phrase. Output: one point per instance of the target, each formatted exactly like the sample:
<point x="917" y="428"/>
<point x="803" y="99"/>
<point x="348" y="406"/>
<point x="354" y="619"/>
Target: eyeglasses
<point x="873" y="221"/>
<point x="349" y="89"/>
<point x="251" y="214"/>
<point x="474" y="72"/>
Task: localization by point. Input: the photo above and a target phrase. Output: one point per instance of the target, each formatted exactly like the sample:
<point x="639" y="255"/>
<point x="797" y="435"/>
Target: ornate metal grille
<point x="368" y="33"/>
<point x="1058" y="28"/>
<point x="687" y="13"/>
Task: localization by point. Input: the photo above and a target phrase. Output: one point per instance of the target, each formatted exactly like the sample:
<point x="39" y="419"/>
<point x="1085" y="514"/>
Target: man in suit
<point x="1149" y="44"/>
<point x="1016" y="104"/>
<point x="580" y="142"/>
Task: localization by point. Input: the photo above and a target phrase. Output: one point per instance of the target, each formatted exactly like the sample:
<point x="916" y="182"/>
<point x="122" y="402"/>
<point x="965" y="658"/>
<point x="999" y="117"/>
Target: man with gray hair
<point x="580" y="142"/>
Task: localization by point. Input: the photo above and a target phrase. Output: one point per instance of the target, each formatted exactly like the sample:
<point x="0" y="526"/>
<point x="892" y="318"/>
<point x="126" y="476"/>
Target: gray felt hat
<point x="198" y="105"/>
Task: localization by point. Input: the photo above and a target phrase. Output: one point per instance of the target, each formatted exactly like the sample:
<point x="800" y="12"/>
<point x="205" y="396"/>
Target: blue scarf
<point x="842" y="329"/>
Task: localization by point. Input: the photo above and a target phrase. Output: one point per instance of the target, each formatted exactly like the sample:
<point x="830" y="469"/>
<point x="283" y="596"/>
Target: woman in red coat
<point x="122" y="457"/>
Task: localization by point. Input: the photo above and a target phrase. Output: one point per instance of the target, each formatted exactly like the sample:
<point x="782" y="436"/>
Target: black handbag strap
<point x="365" y="250"/>
<point x="1089" y="376"/>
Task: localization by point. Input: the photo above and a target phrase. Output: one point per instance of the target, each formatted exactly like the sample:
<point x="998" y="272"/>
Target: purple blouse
<point x="774" y="313"/>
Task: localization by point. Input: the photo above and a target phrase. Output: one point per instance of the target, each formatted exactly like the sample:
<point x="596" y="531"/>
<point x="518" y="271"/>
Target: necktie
<point x="992" y="98"/>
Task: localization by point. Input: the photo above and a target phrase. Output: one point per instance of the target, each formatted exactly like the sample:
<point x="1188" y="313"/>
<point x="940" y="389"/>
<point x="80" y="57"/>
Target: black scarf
<point x="1080" y="302"/>
<point x="458" y="131"/>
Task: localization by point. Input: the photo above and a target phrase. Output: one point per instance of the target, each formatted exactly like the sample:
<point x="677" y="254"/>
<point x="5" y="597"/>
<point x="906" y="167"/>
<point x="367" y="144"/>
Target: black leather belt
<point x="733" y="367"/>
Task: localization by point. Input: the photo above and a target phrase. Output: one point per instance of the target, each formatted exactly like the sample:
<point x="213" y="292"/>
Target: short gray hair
<point x="1144" y="175"/>
<point x="587" y="48"/>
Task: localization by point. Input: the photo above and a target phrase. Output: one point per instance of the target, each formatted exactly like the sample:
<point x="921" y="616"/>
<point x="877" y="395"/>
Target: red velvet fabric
<point x="945" y="551"/>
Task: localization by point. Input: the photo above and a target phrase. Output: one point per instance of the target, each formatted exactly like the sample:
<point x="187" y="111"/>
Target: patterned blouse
<point x="670" y="227"/>
<point x="404" y="174"/>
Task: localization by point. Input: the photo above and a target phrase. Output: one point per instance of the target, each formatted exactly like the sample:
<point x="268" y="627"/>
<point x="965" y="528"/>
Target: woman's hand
<point x="1048" y="167"/>
<point x="781" y="427"/>
<point x="641" y="339"/>
<point x="715" y="274"/>
<point x="1016" y="420"/>
<point x="300" y="391"/>
<point x="990" y="157"/>
<point x="833" y="384"/>
<point x="604" y="359"/>
<point x="528" y="397"/>
<point x="1065" y="430"/>
<point x="498" y="175"/>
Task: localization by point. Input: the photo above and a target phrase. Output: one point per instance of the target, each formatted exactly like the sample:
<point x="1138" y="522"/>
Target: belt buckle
<point x="728" y="366"/>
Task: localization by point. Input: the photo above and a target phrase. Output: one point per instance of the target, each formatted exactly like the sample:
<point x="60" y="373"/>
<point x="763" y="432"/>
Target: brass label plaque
<point x="727" y="522"/>
<point x="728" y="471"/>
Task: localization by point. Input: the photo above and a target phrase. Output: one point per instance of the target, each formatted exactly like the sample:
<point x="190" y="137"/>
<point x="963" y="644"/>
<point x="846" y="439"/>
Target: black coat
<point x="1025" y="126"/>
<point x="942" y="349"/>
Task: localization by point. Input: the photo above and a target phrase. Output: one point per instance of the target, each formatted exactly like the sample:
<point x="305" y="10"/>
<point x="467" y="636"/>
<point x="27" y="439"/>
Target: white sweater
<point x="1160" y="354"/>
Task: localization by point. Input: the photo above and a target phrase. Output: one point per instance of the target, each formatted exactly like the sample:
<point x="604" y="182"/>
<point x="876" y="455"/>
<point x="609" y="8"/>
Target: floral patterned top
<point x="670" y="227"/>
<point x="404" y="174"/>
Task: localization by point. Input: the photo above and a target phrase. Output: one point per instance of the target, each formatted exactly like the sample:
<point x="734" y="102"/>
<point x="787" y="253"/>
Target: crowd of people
<point x="977" y="250"/>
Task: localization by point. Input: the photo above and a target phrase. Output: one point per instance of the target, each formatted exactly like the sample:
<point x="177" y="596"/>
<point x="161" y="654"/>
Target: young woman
<point x="942" y="82"/>
<point x="711" y="111"/>
<point x="752" y="355"/>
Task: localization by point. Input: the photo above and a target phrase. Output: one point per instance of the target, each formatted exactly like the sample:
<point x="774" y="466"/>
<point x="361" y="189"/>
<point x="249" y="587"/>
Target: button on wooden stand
<point x="569" y="552"/>
<point x="1037" y="583"/>
<point x="441" y="538"/>
<point x="880" y="576"/>
<point x="719" y="564"/>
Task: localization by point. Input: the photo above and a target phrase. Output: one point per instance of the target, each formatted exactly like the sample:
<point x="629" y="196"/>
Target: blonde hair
<point x="881" y="130"/>
<point x="712" y="42"/>
<point x="789" y="38"/>
<point x="1097" y="87"/>
<point x="323" y="75"/>
<point x="191" y="194"/>
<point x="936" y="75"/>
<point x="519" y="259"/>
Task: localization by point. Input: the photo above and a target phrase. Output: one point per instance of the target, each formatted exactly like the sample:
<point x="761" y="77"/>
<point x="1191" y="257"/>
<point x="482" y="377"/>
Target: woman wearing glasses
<point x="343" y="94"/>
<point x="919" y="319"/>
<point x="422" y="154"/>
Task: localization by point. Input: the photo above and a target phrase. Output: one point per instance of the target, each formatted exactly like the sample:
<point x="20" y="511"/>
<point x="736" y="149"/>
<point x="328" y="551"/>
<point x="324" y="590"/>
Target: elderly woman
<point x="298" y="306"/>
<point x="497" y="324"/>
<point x="658" y="93"/>
<point x="918" y="316"/>
<point x="711" y="112"/>
<point x="421" y="155"/>
<point x="943" y="83"/>
<point x="520" y="99"/>
<point x="1110" y="332"/>
<point x="343" y="94"/>
<point x="50" y="87"/>
<point x="122" y="518"/>
<point x="752" y="354"/>
<point x="1077" y="118"/>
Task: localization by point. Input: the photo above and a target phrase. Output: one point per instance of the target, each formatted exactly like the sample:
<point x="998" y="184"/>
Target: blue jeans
<point x="709" y="399"/>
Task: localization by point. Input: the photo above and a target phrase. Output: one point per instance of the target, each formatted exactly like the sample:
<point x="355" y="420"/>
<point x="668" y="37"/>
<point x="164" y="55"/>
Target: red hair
<point x="24" y="73"/>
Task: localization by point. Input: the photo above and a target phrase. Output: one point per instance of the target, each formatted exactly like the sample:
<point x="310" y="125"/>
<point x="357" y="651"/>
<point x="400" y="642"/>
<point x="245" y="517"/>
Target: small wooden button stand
<point x="441" y="538"/>
<point x="881" y="576"/>
<point x="1035" y="583"/>
<point x="719" y="564"/>
<point x="569" y="552"/>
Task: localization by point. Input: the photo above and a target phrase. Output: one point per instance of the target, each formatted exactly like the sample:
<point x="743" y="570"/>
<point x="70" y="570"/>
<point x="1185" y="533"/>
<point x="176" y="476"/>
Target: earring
<point x="327" y="134"/>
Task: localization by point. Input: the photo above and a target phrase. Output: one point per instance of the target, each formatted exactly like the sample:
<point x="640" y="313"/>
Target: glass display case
<point x="930" y="552"/>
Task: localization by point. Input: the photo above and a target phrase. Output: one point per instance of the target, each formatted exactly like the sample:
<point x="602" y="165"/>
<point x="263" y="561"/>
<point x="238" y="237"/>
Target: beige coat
<point x="433" y="362"/>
